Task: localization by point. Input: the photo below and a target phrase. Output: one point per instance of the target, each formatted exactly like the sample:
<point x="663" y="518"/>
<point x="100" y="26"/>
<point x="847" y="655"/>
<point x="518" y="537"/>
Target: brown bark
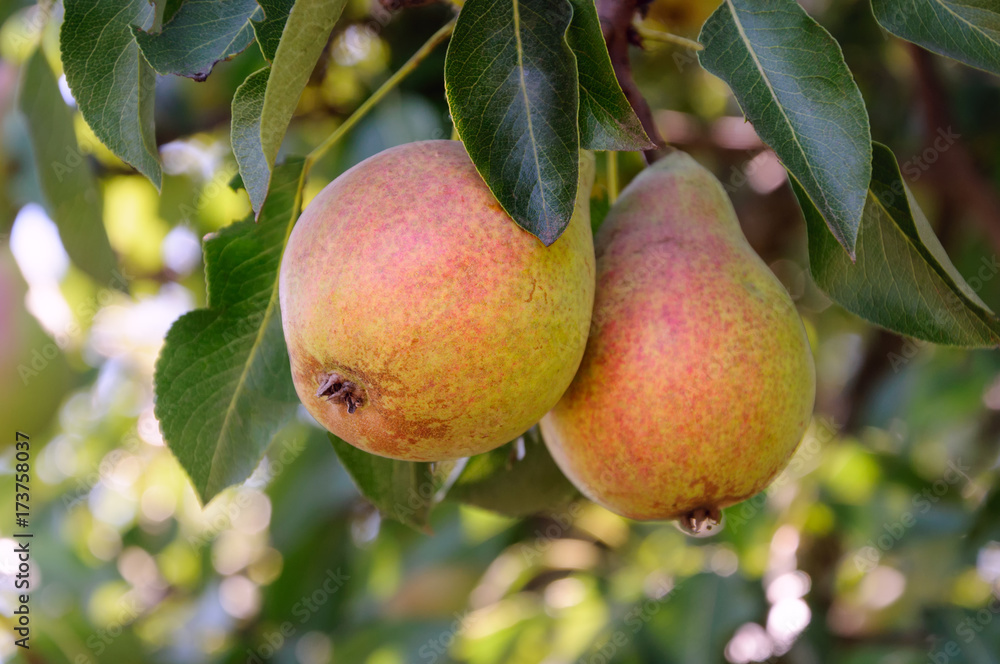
<point x="393" y="5"/>
<point x="619" y="33"/>
<point x="955" y="173"/>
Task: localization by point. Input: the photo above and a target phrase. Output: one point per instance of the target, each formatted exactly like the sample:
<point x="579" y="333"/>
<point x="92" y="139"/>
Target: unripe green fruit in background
<point x="698" y="382"/>
<point x="422" y="323"/>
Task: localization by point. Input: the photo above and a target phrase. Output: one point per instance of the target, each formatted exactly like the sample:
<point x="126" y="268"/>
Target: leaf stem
<point x="612" y="167"/>
<point x="442" y="34"/>
<point x="668" y="38"/>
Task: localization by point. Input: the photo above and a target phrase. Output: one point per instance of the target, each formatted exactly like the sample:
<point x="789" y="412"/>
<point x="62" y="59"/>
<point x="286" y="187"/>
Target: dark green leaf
<point x="171" y="7"/>
<point x="223" y="382"/>
<point x="400" y="490"/>
<point x="902" y="280"/>
<point x="790" y="79"/>
<point x="518" y="479"/>
<point x="607" y="121"/>
<point x="71" y="194"/>
<point x="200" y="34"/>
<point x="511" y="82"/>
<point x="111" y="82"/>
<point x="269" y="29"/>
<point x="968" y="31"/>
<point x="264" y="104"/>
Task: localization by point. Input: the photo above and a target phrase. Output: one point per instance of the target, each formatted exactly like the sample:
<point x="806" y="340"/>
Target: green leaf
<point x="269" y="29"/>
<point x="511" y="82"/>
<point x="170" y="8"/>
<point x="400" y="490"/>
<point x="968" y="31"/>
<point x="223" y="382"/>
<point x="248" y="103"/>
<point x="607" y="121"/>
<point x="71" y="194"/>
<point x="200" y="34"/>
<point x="518" y="479"/>
<point x="902" y="279"/>
<point x="257" y="136"/>
<point x="111" y="82"/>
<point x="791" y="81"/>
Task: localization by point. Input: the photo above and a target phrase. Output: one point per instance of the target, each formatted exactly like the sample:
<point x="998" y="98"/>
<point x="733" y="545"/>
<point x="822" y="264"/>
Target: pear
<point x="698" y="381"/>
<point x="421" y="322"/>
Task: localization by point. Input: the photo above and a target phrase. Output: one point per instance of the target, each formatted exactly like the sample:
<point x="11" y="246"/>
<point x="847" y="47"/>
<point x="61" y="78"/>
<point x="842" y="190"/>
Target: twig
<point x="668" y="38"/>
<point x="393" y="5"/>
<point x="436" y="39"/>
<point x="612" y="164"/>
<point x="619" y="33"/>
<point x="873" y="370"/>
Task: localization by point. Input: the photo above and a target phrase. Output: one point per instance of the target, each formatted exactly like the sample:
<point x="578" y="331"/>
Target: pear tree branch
<point x="649" y="34"/>
<point x="394" y="5"/>
<point x="955" y="173"/>
<point x="617" y="18"/>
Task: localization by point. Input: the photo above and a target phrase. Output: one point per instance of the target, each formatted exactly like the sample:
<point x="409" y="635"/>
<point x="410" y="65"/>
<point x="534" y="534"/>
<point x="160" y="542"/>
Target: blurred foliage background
<point x="879" y="543"/>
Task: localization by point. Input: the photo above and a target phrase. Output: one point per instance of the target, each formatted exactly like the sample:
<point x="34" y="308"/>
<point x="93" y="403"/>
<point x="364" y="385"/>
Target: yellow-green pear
<point x="422" y="323"/>
<point x="698" y="381"/>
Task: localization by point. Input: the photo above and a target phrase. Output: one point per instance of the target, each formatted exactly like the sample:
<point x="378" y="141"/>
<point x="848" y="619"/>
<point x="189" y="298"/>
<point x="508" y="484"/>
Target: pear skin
<point x="698" y="381"/>
<point x="421" y="322"/>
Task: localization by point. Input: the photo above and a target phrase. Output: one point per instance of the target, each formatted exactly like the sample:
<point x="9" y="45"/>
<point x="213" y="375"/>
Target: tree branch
<point x="394" y="5"/>
<point x="955" y="172"/>
<point x="619" y="33"/>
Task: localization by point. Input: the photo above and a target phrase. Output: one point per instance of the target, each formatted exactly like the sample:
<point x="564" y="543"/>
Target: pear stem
<point x="649" y="34"/>
<point x="442" y="34"/>
<point x="612" y="165"/>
